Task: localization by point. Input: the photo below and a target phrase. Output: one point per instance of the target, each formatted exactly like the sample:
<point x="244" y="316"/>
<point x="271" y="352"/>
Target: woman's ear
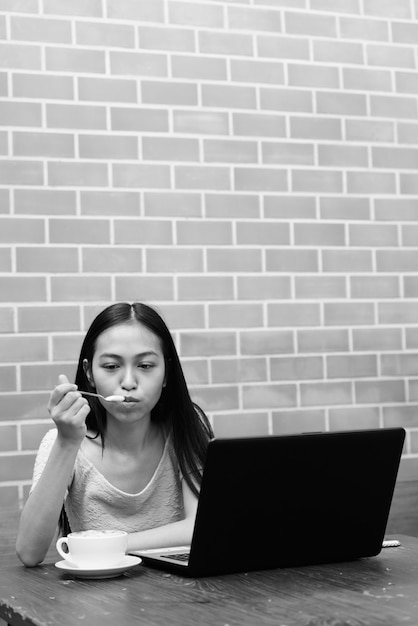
<point x="88" y="372"/>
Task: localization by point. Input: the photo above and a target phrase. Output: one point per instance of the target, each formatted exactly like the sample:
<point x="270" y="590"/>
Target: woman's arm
<point x="40" y="515"/>
<point x="175" y="534"/>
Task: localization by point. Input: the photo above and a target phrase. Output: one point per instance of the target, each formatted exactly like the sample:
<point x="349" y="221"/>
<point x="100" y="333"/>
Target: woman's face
<point x="128" y="361"/>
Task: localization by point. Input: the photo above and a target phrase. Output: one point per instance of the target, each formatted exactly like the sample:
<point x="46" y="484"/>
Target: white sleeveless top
<point x="93" y="503"/>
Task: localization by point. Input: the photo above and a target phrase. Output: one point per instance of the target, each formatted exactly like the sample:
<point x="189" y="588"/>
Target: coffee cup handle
<point x="62" y="541"/>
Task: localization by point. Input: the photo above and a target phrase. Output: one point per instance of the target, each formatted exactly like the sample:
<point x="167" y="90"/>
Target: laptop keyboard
<point x="183" y="556"/>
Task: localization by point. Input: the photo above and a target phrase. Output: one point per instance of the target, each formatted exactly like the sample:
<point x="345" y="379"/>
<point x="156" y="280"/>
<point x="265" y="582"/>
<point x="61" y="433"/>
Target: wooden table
<point x="378" y="591"/>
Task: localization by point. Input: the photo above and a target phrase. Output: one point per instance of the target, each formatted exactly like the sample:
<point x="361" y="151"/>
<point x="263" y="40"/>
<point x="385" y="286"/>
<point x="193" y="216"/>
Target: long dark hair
<point x="175" y="409"/>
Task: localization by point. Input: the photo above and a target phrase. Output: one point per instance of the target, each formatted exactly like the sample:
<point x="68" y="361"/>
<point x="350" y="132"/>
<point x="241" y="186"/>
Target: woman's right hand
<point x="69" y="410"/>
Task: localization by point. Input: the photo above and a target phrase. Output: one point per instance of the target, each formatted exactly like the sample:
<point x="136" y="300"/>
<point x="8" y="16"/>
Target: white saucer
<point x="127" y="562"/>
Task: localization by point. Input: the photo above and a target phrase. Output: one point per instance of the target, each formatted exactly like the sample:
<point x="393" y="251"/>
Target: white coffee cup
<point x="94" y="548"/>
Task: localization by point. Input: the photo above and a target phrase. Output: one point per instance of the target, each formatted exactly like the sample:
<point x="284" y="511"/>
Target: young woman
<point x="133" y="465"/>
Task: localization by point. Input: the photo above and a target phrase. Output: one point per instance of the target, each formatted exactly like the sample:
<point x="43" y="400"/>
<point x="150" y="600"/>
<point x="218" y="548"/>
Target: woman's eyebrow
<point x="110" y="355"/>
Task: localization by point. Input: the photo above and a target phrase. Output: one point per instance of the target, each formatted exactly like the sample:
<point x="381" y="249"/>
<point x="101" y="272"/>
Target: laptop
<point x="292" y="500"/>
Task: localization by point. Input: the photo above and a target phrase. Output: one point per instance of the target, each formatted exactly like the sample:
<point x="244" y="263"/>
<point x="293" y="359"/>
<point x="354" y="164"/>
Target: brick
<point x="353" y="418"/>
<point x="409" y="234"/>
<point x="140" y="176"/>
<point x="198" y="177"/>
<point x="76" y="116"/>
<point x="105" y="35"/>
<point x="337" y="103"/>
<point x="139" y="119"/>
<point x="390" y="56"/>
<point x="170" y="149"/>
<point x="347" y="261"/>
<point x="293" y="314"/>
<point x="284" y="207"/>
<point x="116" y="203"/>
<point x="260" y="342"/>
<point x="269" y="396"/>
<point x="78" y="174"/>
<point x="296" y="368"/>
<point x="262" y="233"/>
<point x="410" y="287"/>
<point x="85" y="8"/>
<point x="326" y="181"/>
<point x="401" y="364"/>
<point x="237" y="315"/>
<point x="216" y="398"/>
<point x="113" y="147"/>
<point x="342" y="52"/>
<point x="7" y="320"/>
<point x="397" y="312"/>
<point x="260" y="179"/>
<point x="30" y="406"/>
<point x="371" y="235"/>
<point x="292" y="260"/>
<point x="174" y="261"/>
<point x="258" y="125"/>
<point x="406" y="82"/>
<point x="315" y="128"/>
<point x="379" y="392"/>
<point x="409" y="184"/>
<point x="366" y="79"/>
<point x="213" y="343"/>
<point x="322" y="341"/>
<point x="20" y="230"/>
<point x="132" y="10"/>
<point x="66" y="347"/>
<point x="399" y="261"/>
<point x="138" y="64"/>
<point x="8" y="437"/>
<point x="404" y="32"/>
<point x="231" y="205"/>
<point x="17" y="467"/>
<point x="386" y="8"/>
<point x="229" y="96"/>
<point x="203" y="288"/>
<point x="44" y="201"/>
<point x="201" y="123"/>
<point x="230" y="260"/>
<point x="377" y="287"/>
<point x="42" y="259"/>
<point x="303" y="421"/>
<point x="48" y="318"/>
<point x="21" y="172"/>
<point x="4" y="91"/>
<point x="55" y="145"/>
<point x="204" y="232"/>
<point x="184" y="316"/>
<point x="77" y="60"/>
<point x="9" y="497"/>
<point x="23" y="6"/>
<point x="294" y="100"/>
<point x="325" y="393"/>
<point x="172" y="203"/>
<point x="308" y="75"/>
<point x="45" y="30"/>
<point x="4" y="143"/>
<point x="229" y="151"/>
<point x="106" y="90"/>
<point x="40" y="377"/>
<point x="393" y="106"/>
<point x="191" y="14"/>
<point x="265" y="72"/>
<point x="227" y="44"/>
<point x="83" y="288"/>
<point x="352" y="366"/>
<point x="254" y="19"/>
<point x="336" y="6"/>
<point x="370" y="131"/>
<point x="308" y="23"/>
<point x="196" y="372"/>
<point x="343" y="208"/>
<point x="241" y="425"/>
<point x="377" y="339"/>
<point x="395" y="158"/>
<point x="20" y="56"/>
<point x="147" y="288"/>
<point x="175" y="93"/>
<point x="319" y="234"/>
<point x="112" y="260"/>
<point x="21" y="349"/>
<point x="282" y="47"/>
<point x="32" y="435"/>
<point x="20" y="113"/>
<point x="320" y="287"/>
<point x="198" y="68"/>
<point x="80" y="231"/>
<point x="411" y="338"/>
<point x="396" y="209"/>
<point x="400" y="415"/>
<point x="361" y="28"/>
<point x="370" y="182"/>
<point x="43" y="86"/>
<point x="283" y="153"/>
<point x="5" y="201"/>
<point x="263" y="288"/>
<point x="342" y="156"/>
<point x="348" y="314"/>
<point x="230" y="370"/>
<point x="170" y="39"/>
<point x="143" y="232"/>
<point x="8" y="381"/>
<point x="5" y="260"/>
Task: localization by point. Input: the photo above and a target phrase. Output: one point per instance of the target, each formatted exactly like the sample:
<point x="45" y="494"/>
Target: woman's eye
<point x="146" y="366"/>
<point x="110" y="366"/>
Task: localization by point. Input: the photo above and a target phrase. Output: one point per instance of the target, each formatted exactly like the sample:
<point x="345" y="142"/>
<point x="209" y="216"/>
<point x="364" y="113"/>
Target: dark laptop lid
<point x="293" y="500"/>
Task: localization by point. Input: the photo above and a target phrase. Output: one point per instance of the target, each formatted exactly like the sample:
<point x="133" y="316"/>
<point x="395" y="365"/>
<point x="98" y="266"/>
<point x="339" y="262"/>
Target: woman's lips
<point x="130" y="399"/>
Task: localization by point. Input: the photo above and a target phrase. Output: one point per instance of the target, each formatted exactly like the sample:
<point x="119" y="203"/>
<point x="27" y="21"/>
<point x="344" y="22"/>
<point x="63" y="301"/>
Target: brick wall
<point x="249" y="166"/>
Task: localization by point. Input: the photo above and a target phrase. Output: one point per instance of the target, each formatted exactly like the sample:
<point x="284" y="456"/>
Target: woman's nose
<point x="129" y="381"/>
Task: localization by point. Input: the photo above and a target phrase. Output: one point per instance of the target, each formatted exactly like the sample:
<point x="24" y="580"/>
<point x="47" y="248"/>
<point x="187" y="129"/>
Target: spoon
<point x="109" y="398"/>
